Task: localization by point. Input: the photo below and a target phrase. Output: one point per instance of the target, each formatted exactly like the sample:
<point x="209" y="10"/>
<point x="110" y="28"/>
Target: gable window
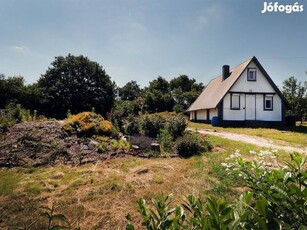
<point x="268" y="102"/>
<point x="251" y="74"/>
<point x="235" y="101"/>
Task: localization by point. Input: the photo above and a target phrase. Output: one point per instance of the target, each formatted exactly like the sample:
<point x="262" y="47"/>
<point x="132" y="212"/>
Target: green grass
<point x="98" y="196"/>
<point x="9" y="179"/>
<point x="291" y="136"/>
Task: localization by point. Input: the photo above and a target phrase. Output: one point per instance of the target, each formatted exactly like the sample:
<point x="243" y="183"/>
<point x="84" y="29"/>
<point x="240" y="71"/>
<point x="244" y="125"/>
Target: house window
<point x="251" y="74"/>
<point x="268" y="102"/>
<point x="235" y="101"/>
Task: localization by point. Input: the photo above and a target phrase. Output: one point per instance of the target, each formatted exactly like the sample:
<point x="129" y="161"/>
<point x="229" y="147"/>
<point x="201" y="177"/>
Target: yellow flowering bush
<point x="87" y="123"/>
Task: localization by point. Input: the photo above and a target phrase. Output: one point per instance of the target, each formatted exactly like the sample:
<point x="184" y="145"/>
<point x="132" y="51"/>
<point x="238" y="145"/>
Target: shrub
<point x="87" y="123"/>
<point x="151" y="124"/>
<point x="283" y="186"/>
<point x="132" y="126"/>
<point x="277" y="201"/>
<point x="176" y="125"/>
<point x="106" y="143"/>
<point x="191" y="144"/>
<point x="165" y="140"/>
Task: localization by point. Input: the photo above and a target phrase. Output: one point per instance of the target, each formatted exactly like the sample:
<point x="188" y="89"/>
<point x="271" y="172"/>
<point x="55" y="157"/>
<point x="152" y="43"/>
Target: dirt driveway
<point x="260" y="141"/>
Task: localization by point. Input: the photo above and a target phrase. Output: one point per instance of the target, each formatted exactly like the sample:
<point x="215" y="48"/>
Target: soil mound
<point x="45" y="143"/>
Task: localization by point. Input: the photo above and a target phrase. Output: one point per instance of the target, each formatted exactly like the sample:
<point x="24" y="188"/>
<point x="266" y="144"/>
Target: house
<point x="242" y="96"/>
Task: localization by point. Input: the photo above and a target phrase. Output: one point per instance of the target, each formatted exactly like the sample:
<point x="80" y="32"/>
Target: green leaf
<point x="262" y="206"/>
<point x="129" y="227"/>
<point x="129" y="217"/>
<point x="226" y="211"/>
<point x="261" y="222"/>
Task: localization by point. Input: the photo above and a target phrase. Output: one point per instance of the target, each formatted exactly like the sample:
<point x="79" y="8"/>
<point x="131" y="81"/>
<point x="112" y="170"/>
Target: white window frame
<point x="251" y="74"/>
<point x="235" y="101"/>
<point x="268" y="98"/>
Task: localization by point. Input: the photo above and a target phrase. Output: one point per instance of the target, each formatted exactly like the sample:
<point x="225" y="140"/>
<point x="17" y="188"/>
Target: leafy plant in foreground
<point x="277" y="201"/>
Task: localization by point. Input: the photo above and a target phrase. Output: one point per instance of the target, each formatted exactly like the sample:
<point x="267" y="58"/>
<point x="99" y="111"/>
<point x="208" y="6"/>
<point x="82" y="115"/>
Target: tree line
<point x="76" y="84"/>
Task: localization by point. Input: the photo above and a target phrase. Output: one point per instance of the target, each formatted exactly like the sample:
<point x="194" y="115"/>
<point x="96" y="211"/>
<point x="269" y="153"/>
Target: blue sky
<point x="142" y="39"/>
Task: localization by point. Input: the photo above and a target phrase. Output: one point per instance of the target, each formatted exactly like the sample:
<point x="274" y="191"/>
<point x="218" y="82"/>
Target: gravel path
<point x="260" y="141"/>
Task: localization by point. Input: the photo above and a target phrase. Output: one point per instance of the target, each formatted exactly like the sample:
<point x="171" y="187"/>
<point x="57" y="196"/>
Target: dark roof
<point x="217" y="88"/>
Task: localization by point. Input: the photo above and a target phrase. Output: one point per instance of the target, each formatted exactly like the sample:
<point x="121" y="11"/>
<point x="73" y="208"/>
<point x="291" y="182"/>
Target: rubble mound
<point x="45" y="143"/>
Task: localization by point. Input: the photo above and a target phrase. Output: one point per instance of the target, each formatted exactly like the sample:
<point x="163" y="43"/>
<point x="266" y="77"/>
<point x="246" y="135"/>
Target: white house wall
<point x="202" y="114"/>
<point x="260" y="85"/>
<point x="233" y="115"/>
<point x="213" y="113"/>
<point x="268" y="115"/>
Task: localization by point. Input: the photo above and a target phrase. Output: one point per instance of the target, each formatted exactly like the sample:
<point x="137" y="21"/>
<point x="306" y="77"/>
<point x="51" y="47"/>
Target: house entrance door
<point x="250" y="107"/>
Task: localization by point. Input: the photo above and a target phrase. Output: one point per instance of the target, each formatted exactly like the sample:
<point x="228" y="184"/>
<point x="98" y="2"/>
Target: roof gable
<point x="217" y="88"/>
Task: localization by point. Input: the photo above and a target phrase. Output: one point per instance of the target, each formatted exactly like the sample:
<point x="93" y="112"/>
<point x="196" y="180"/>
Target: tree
<point x="185" y="91"/>
<point x="130" y="91"/>
<point x="158" y="97"/>
<point x="75" y="83"/>
<point x="12" y="89"/>
<point x="296" y="94"/>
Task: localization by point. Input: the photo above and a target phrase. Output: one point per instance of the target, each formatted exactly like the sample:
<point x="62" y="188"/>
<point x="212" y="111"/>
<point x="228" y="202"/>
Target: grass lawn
<point x="291" y="136"/>
<point x="98" y="196"/>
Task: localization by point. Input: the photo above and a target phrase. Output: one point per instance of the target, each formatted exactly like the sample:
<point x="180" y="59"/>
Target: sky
<point x="142" y="39"/>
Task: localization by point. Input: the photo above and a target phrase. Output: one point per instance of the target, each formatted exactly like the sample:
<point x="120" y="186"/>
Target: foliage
<point x="296" y="94"/>
<point x="176" y="125"/>
<point x="106" y="144"/>
<point x="15" y="114"/>
<point x="121" y="111"/>
<point x="277" y="201"/>
<point x="158" y="97"/>
<point x="165" y="140"/>
<point x="12" y="89"/>
<point x="132" y="126"/>
<point x="191" y="144"/>
<point x="55" y="220"/>
<point x="283" y="186"/>
<point x="185" y="91"/>
<point x="87" y="123"/>
<point x="152" y="123"/>
<point x="75" y="83"/>
<point x="130" y="91"/>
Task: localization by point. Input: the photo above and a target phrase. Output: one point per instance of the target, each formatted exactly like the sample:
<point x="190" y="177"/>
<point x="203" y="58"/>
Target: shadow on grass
<point x="297" y="129"/>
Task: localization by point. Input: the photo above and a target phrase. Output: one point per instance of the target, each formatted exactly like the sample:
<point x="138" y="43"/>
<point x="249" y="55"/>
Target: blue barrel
<point x="215" y="121"/>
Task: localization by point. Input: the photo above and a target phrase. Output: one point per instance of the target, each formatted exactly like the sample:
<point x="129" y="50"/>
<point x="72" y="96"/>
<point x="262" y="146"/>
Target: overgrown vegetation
<point x="277" y="200"/>
<point x="14" y="113"/>
<point x="87" y="123"/>
<point x="191" y="144"/>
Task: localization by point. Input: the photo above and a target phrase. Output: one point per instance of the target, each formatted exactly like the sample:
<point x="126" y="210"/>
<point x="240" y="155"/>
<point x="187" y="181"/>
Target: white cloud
<point x="208" y="15"/>
<point x="20" y="48"/>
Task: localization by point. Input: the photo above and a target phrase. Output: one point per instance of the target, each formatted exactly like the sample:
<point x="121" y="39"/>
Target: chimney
<point x="225" y="72"/>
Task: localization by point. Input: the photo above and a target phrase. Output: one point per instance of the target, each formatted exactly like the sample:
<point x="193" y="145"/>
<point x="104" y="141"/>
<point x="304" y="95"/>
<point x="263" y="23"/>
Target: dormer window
<point x="251" y="74"/>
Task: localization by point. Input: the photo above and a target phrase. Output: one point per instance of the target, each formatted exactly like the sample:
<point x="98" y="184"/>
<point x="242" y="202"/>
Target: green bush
<point x="176" y="125"/>
<point x="152" y="123"/>
<point x="191" y="144"/>
<point x="132" y="126"/>
<point x="165" y="140"/>
<point x="277" y="200"/>
<point x="284" y="187"/>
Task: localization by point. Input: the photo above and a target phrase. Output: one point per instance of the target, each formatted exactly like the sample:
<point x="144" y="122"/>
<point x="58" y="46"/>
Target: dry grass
<point x="98" y="196"/>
